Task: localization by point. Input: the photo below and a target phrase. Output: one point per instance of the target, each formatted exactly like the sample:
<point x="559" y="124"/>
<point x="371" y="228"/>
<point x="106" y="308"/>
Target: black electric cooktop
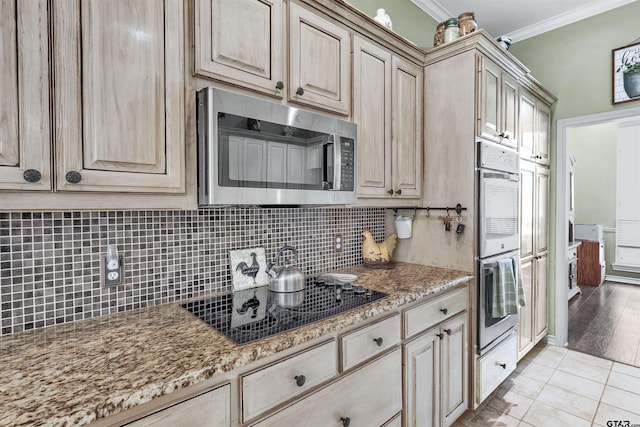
<point x="252" y="314"/>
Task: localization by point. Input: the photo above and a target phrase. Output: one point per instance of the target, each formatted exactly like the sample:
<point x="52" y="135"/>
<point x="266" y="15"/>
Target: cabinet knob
<point x="73" y="177"/>
<point x="32" y="175"/>
<point x="444" y="310"/>
<point x="504" y="365"/>
<point x="378" y="341"/>
<point x="345" y="421"/>
<point x="279" y="85"/>
<point x="300" y="380"/>
<point x="448" y="331"/>
<point x="399" y="191"/>
<point x="440" y="336"/>
<point x="390" y="192"/>
<point x="300" y="91"/>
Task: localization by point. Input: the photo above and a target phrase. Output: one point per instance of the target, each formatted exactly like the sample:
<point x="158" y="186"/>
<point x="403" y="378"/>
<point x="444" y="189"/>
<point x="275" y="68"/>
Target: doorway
<point x="564" y="126"/>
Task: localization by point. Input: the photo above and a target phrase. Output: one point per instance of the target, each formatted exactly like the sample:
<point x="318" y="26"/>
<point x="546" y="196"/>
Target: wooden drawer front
<point x="364" y="343"/>
<point x="209" y="409"/>
<point x="264" y="389"/>
<point x="368" y="397"/>
<point x="424" y="316"/>
<point x="490" y="367"/>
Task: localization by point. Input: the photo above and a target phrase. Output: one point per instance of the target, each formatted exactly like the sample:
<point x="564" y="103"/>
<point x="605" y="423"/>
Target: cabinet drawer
<point x="424" y="316"/>
<point x="209" y="409"/>
<point x="364" y="343"/>
<point x="368" y="396"/>
<point x="269" y="386"/>
<point x="495" y="366"/>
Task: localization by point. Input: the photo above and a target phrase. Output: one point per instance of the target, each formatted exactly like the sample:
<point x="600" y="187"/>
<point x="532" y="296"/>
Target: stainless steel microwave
<point x="256" y="152"/>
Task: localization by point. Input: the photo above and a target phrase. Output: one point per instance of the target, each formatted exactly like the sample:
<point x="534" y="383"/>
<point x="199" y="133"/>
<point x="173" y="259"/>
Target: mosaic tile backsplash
<point x="50" y="261"/>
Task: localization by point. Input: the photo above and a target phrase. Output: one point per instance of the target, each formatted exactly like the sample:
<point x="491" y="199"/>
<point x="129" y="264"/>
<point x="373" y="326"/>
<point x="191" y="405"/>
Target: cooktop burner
<point x="252" y="314"/>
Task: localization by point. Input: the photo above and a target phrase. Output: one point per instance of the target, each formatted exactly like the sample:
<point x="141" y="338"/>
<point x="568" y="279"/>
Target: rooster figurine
<point x="249" y="270"/>
<point x="377" y="254"/>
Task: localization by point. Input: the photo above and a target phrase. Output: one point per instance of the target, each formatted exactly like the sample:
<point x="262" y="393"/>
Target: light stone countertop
<point x="75" y="373"/>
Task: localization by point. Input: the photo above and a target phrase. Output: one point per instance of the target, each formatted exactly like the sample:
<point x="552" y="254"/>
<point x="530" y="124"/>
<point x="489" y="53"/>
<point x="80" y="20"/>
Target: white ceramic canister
<point x="404" y="224"/>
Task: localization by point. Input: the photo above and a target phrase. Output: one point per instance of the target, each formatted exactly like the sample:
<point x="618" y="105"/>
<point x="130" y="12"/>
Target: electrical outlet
<point x="337" y="243"/>
<point x="112" y="275"/>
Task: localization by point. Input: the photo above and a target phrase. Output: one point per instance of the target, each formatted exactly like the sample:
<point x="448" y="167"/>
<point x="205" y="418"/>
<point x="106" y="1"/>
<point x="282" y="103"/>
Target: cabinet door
<point x="319" y="61"/>
<point x="526" y="313"/>
<point x="240" y="42"/>
<point x="372" y="113"/>
<point x="119" y="98"/>
<point x="540" y="297"/>
<point x="406" y="133"/>
<point x="422" y="380"/>
<point x="25" y="133"/>
<point x="489" y="100"/>
<point x="543" y="133"/>
<point x="526" y="125"/>
<point x="527" y="208"/>
<point x="542" y="209"/>
<point x="454" y="368"/>
<point x="509" y="111"/>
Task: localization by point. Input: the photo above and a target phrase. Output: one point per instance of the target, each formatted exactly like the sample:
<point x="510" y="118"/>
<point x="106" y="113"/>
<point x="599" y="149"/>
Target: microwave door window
<point x="260" y="154"/>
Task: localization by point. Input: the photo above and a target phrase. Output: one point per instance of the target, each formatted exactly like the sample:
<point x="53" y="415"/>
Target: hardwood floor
<point x="604" y="321"/>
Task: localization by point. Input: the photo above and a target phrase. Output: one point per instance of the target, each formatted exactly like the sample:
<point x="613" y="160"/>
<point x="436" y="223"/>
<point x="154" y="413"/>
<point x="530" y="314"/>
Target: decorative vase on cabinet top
<point x="383" y="18"/>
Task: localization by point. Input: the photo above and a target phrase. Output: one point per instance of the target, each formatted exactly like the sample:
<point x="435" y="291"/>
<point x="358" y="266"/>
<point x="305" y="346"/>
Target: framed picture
<point x="626" y="73"/>
<point x="248" y="268"/>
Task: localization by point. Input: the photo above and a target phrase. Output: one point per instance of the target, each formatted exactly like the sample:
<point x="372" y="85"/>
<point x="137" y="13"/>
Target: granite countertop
<point x="75" y="373"/>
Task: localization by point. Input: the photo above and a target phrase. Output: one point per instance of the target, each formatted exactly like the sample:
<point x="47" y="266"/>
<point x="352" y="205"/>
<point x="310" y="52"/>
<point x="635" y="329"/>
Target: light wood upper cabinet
<point x="241" y="42"/>
<point x="498" y="104"/>
<point x="319" y="61"/>
<point x="406" y="133"/>
<point x="543" y="132"/>
<point x="534" y="128"/>
<point x="25" y="132"/>
<point x="372" y="113"/>
<point x="527" y="208"/>
<point x="388" y="110"/>
<point x="119" y="95"/>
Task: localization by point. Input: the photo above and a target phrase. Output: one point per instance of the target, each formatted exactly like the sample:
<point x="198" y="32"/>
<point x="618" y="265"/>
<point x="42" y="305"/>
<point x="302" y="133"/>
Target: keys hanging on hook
<point x="447" y="222"/>
<point x="459" y="230"/>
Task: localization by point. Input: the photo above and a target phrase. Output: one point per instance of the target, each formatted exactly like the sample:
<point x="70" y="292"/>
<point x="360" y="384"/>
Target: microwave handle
<point x="328" y="163"/>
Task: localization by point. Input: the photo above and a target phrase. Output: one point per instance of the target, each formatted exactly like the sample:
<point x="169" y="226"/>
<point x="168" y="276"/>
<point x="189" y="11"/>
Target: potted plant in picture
<point x="630" y="69"/>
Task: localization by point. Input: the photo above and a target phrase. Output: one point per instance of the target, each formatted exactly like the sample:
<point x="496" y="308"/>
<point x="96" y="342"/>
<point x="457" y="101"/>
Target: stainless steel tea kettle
<point x="287" y="278"/>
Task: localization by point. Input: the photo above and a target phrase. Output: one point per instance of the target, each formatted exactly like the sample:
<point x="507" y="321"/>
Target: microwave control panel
<point x="347" y="170"/>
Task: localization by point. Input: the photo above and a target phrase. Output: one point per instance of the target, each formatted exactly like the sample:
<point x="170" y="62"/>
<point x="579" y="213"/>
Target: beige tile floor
<point x="553" y="386"/>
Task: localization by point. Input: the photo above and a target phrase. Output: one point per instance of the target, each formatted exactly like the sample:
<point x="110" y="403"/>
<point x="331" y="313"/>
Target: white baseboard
<point x="621" y="279"/>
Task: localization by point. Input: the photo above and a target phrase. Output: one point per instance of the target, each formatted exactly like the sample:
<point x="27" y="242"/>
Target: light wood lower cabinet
<point x="211" y="409"/>
<point x="436" y="363"/>
<point x="366" y="397"/>
<point x="383" y="380"/>
<point x="495" y="366"/>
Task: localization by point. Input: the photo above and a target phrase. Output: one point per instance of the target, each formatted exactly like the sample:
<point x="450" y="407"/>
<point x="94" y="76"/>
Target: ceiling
<point x="519" y="19"/>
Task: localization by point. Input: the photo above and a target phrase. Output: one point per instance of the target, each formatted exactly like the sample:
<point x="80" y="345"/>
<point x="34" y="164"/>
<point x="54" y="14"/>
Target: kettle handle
<point x="286" y="247"/>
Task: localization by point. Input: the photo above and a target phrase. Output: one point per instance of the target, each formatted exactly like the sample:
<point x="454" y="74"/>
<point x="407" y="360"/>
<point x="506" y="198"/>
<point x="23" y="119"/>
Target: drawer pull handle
<point x="378" y="341"/>
<point x="444" y="310"/>
<point x="32" y="175"/>
<point x="504" y="365"/>
<point x="448" y="331"/>
<point x="345" y="421"/>
<point x="73" y="177"/>
<point x="300" y="380"/>
<point x="440" y="336"/>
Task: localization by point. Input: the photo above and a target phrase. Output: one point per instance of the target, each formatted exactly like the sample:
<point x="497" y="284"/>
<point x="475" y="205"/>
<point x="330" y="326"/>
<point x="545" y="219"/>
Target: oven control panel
<point x="492" y="156"/>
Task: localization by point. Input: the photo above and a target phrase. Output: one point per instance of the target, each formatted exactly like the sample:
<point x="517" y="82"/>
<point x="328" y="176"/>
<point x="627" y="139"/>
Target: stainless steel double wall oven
<point x="498" y="236"/>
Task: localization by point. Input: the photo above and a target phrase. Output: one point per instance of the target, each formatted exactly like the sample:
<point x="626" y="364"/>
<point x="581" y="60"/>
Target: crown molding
<point x="440" y="14"/>
<point x="434" y="9"/>
<point x="566" y="18"/>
